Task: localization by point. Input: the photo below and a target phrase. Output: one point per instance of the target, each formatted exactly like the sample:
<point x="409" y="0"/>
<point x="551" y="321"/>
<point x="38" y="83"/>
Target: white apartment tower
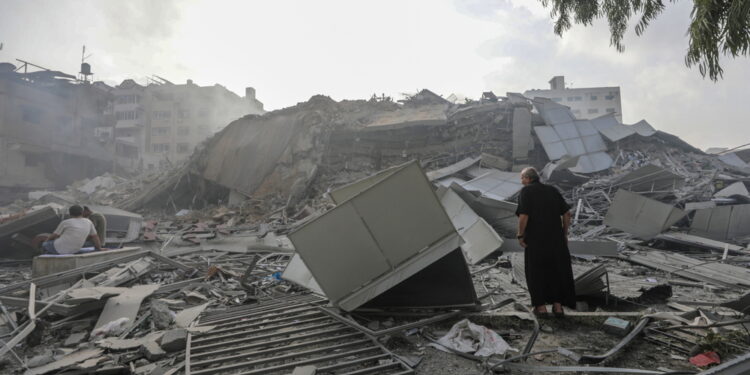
<point x="586" y="103"/>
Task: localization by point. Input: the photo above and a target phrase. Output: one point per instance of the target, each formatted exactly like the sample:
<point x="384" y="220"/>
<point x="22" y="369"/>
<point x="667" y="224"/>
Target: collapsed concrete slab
<point x="649" y="179"/>
<point x="43" y="265"/>
<point x="385" y="230"/>
<point x="16" y="235"/>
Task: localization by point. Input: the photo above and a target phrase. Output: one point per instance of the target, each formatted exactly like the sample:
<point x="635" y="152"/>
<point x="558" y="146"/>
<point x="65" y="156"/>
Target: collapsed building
<point x="356" y="236"/>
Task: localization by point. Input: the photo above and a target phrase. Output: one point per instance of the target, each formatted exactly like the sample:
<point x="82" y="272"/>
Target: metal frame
<point x="278" y="335"/>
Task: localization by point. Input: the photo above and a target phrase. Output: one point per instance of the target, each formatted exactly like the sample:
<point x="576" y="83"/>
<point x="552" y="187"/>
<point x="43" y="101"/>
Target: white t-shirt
<point x="73" y="233"/>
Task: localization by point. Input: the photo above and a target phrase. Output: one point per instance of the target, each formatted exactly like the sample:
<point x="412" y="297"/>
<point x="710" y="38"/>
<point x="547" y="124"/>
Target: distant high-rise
<point x="586" y="102"/>
<point x="162" y="123"/>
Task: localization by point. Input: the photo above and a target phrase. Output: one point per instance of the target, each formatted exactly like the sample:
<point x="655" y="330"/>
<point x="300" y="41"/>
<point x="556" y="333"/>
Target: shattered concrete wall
<point x="304" y="150"/>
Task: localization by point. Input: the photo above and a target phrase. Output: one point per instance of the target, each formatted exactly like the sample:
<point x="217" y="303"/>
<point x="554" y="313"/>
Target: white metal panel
<point x="380" y="236"/>
<point x="479" y="238"/>
<point x="496" y="185"/>
<point x="567" y="131"/>
<point x="641" y="216"/>
<point x="340" y="251"/>
<point x="643" y="128"/>
<point x="297" y="272"/>
<point x="594" y="143"/>
<point x="732" y="159"/>
<point x="585" y="128"/>
<point x="574" y="146"/>
<point x="546" y="134"/>
<point x="403" y="215"/>
<point x="737" y="188"/>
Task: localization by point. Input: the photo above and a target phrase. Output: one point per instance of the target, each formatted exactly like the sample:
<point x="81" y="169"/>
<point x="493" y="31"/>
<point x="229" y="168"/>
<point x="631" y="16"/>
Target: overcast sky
<point x="291" y="50"/>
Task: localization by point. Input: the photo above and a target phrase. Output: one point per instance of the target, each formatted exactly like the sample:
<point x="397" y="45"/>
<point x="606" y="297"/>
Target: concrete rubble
<point x="379" y="237"/>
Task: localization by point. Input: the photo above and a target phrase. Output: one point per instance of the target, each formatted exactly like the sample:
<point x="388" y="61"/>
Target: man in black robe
<point x="543" y="220"/>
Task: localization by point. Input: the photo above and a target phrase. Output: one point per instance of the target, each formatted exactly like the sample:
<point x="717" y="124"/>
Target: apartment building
<point x="162" y="123"/>
<point x="586" y="102"/>
<point x="48" y="129"/>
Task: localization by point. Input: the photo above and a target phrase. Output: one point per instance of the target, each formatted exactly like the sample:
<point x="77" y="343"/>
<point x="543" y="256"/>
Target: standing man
<point x="100" y="223"/>
<point x="543" y="220"/>
<point x="71" y="233"/>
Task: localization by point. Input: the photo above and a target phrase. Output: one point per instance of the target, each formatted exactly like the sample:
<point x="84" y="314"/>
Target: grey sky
<point x="291" y="50"/>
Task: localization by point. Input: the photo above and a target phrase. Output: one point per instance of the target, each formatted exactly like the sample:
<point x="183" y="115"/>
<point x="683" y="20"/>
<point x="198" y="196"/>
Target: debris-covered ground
<point x="376" y="237"/>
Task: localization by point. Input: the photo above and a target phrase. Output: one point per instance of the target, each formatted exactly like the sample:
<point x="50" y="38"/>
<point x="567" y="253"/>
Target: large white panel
<point x="546" y="134"/>
<point x="339" y="251"/>
<point x="594" y="143"/>
<point x="567" y="131"/>
<point x="403" y="214"/>
<point x="574" y="146"/>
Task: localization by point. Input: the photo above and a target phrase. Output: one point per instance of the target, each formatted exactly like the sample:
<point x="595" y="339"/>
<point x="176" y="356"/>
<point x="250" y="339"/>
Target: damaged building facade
<point x="48" y="129"/>
<point x="162" y="122"/>
<point x="375" y="237"/>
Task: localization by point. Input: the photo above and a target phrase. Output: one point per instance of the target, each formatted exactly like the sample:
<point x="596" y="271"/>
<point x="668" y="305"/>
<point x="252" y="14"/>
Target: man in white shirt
<point x="70" y="235"/>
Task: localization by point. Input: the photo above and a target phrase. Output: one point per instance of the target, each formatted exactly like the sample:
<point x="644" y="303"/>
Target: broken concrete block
<point x="152" y="351"/>
<point x="616" y="326"/>
<point x="75" y="339"/>
<point x="161" y="315"/>
<point x="40" y="360"/>
<point x="174" y="340"/>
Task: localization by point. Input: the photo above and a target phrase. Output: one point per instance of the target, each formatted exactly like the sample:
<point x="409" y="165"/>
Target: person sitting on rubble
<point x="100" y="223"/>
<point x="71" y="233"/>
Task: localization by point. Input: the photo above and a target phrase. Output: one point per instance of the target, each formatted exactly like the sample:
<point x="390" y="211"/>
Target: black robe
<point x="549" y="275"/>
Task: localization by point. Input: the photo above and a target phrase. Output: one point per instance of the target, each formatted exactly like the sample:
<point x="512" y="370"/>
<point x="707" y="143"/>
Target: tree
<point x="717" y="27"/>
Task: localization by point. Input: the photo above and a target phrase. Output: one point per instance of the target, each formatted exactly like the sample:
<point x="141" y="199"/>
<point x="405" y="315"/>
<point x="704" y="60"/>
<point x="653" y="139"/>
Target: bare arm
<point x="566" y="224"/>
<point x="523" y="219"/>
<point x="53" y="236"/>
<point x="97" y="242"/>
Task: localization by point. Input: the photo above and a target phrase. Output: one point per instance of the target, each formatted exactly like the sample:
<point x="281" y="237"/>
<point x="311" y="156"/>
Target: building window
<point x="126" y="115"/>
<point x="183" y="130"/>
<point x="576" y="111"/>
<point x="160" y="147"/>
<point x="571" y="98"/>
<point x="578" y="98"/>
<point x="162" y="115"/>
<point x="610" y="110"/>
<point x="557" y="100"/>
<point x="183" y="114"/>
<point x="32" y="115"/>
<point x="128" y="99"/>
<point x="183" y="148"/>
<point x="609" y="97"/>
<point x="593" y="110"/>
<point x="159" y="131"/>
<point x="163" y="96"/>
<point x="593" y="97"/>
<point x="32" y="160"/>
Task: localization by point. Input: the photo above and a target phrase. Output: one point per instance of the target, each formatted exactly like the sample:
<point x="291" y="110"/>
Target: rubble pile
<point x="378" y="237"/>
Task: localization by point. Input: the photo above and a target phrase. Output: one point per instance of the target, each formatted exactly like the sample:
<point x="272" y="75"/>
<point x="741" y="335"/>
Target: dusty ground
<point x="585" y="334"/>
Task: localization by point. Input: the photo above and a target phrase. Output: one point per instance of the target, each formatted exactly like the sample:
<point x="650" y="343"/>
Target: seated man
<point x="100" y="224"/>
<point x="70" y="235"/>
